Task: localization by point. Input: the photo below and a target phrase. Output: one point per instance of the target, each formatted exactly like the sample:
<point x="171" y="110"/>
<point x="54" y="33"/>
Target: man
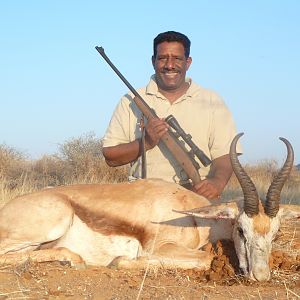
<point x="200" y="112"/>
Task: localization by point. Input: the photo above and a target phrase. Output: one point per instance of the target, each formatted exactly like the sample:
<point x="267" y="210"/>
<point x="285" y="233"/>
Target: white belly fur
<point x="96" y="248"/>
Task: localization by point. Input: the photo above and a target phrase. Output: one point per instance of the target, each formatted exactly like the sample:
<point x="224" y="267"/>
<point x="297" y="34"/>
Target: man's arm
<point x="122" y="154"/>
<point x="219" y="175"/>
<point x="125" y="153"/>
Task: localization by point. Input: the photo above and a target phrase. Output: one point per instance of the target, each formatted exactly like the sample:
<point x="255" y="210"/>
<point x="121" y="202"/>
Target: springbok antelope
<point x="147" y="222"/>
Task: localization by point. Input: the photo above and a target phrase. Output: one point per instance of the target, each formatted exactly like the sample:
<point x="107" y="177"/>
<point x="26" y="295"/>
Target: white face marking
<point x="253" y="248"/>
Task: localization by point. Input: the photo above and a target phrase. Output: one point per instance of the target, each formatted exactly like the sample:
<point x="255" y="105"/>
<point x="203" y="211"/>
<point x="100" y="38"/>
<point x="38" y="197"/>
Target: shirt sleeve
<point x="223" y="129"/>
<point x="118" y="128"/>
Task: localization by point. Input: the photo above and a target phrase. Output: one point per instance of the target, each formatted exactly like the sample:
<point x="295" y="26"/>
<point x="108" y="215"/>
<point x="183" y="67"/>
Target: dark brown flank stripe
<point x="109" y="225"/>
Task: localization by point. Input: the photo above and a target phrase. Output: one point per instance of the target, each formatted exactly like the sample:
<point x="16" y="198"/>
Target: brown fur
<point x="109" y="225"/>
<point x="261" y="224"/>
<point x="125" y="216"/>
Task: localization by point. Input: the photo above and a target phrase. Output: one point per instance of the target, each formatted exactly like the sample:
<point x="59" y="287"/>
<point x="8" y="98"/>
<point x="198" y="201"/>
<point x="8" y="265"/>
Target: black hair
<point x="172" y="36"/>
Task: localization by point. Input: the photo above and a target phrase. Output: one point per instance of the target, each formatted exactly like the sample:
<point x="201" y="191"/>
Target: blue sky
<point x="55" y="86"/>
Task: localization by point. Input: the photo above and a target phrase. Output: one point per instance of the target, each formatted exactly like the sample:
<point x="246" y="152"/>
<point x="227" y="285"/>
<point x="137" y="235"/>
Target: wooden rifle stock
<point x="170" y="141"/>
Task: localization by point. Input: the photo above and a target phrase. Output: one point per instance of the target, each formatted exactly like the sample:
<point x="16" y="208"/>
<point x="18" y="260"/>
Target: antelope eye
<point x="241" y="232"/>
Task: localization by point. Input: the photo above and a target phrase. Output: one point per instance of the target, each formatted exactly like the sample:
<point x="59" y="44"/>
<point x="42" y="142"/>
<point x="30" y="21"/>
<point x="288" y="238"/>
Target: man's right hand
<point x="155" y="129"/>
<point x="125" y="153"/>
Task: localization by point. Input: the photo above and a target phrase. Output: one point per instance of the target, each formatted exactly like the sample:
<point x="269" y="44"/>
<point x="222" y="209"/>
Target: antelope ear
<point x="289" y="211"/>
<point x="221" y="211"/>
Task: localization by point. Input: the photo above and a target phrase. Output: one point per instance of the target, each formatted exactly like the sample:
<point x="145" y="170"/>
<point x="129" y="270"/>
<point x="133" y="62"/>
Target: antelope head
<point x="257" y="225"/>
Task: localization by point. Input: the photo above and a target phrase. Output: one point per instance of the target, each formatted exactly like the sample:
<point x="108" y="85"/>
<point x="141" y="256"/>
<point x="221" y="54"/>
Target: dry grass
<point x="80" y="160"/>
<point x="262" y="175"/>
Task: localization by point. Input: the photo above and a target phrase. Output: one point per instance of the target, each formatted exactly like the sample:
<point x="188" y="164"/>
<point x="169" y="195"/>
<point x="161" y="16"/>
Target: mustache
<point x="166" y="70"/>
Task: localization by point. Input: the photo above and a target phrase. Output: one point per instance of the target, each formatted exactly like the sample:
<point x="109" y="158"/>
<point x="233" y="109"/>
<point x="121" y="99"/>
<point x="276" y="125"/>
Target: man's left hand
<point x="208" y="188"/>
<point x="220" y="173"/>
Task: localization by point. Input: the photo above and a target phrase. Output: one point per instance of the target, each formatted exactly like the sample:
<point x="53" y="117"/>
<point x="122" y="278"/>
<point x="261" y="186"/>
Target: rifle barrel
<point x="131" y="88"/>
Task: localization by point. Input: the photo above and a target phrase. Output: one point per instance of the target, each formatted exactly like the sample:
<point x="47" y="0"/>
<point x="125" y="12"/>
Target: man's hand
<point x="155" y="129"/>
<point x="208" y="188"/>
<point x="219" y="175"/>
<point x="124" y="153"/>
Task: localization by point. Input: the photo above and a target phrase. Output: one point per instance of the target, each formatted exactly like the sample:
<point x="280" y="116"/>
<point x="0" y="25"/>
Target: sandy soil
<point x="57" y="281"/>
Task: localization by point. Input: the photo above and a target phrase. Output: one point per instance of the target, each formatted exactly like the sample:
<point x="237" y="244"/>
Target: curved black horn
<point x="273" y="195"/>
<point x="251" y="199"/>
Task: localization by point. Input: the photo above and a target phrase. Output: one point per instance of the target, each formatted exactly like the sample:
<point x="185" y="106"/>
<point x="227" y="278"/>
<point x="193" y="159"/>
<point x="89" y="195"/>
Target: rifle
<point x="185" y="159"/>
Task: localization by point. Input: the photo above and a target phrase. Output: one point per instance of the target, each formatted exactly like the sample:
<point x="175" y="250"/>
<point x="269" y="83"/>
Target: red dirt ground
<point x="57" y="281"/>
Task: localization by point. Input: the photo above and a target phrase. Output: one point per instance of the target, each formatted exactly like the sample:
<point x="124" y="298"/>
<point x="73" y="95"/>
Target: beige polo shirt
<point x="200" y="112"/>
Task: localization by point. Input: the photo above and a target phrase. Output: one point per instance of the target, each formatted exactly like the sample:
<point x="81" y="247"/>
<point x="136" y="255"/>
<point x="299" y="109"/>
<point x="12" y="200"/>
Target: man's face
<point x="170" y="65"/>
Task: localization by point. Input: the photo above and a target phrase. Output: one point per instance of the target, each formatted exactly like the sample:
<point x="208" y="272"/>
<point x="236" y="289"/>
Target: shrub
<point x="80" y="160"/>
<point x="83" y="161"/>
<point x="13" y="165"/>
